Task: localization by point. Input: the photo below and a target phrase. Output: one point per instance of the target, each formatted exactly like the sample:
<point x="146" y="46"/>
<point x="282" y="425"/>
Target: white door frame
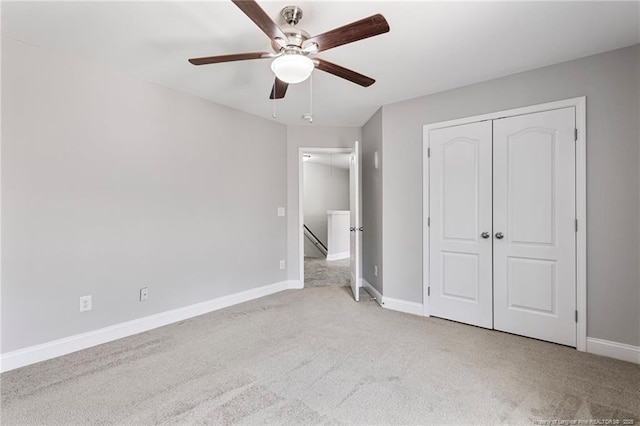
<point x="581" y="200"/>
<point x="301" y="151"/>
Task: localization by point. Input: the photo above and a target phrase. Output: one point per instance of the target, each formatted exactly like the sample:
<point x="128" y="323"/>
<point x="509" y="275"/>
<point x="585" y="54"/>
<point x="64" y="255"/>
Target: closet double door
<point x="502" y="241"/>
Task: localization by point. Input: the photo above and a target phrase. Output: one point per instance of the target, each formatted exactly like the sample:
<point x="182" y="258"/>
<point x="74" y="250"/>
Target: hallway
<point x="321" y="273"/>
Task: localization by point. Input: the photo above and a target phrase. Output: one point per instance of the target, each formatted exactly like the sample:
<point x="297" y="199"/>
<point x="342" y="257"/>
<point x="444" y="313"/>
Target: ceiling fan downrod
<point x="292" y="15"/>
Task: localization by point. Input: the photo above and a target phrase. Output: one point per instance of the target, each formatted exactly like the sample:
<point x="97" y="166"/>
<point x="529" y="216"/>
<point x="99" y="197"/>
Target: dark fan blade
<point x="364" y="28"/>
<point x="345" y="73"/>
<point x="229" y="58"/>
<point x="260" y="18"/>
<point x="279" y="89"/>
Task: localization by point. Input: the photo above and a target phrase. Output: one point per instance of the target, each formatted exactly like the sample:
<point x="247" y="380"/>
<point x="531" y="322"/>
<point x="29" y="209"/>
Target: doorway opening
<point x="326" y="218"/>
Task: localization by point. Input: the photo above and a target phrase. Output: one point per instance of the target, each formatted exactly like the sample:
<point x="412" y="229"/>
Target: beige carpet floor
<point x="315" y="356"/>
<point x="321" y="273"/>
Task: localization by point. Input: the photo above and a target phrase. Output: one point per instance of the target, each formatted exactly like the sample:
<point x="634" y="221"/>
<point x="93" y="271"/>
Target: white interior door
<point x="354" y="223"/>
<point x="460" y="276"/>
<point x="534" y="225"/>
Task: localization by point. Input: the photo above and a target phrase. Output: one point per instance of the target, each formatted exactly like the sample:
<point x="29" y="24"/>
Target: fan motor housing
<point x="295" y="36"/>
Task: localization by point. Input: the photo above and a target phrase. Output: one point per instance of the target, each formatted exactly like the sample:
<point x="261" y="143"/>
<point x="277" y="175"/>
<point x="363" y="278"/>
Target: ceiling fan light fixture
<point x="292" y="68"/>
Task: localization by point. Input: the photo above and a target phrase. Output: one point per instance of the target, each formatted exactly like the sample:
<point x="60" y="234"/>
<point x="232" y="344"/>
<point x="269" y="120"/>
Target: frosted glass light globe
<point x="292" y="68"/>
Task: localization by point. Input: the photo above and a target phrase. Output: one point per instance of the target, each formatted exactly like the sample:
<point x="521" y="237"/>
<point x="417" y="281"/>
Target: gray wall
<point x="308" y="136"/>
<point x="110" y="184"/>
<point x="372" y="200"/>
<point x="325" y="188"/>
<point x="610" y="83"/>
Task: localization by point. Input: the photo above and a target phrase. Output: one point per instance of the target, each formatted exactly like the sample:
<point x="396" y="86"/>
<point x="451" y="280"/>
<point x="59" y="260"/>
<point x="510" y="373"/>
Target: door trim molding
<point x="580" y="105"/>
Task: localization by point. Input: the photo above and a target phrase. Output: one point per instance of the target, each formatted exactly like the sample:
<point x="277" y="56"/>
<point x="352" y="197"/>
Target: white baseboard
<point x="295" y="284"/>
<point x="402" y="306"/>
<point x="613" y="349"/>
<point x="393" y="304"/>
<point x="338" y="256"/>
<point x="56" y="348"/>
<point x="372" y="291"/>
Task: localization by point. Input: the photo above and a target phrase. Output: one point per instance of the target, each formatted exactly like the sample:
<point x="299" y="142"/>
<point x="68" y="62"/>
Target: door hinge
<point x="429" y="152"/>
<point x="576" y="316"/>
<point x="428" y="222"/>
<point x="575" y="135"/>
<point x="576" y="225"/>
<point x="428" y="291"/>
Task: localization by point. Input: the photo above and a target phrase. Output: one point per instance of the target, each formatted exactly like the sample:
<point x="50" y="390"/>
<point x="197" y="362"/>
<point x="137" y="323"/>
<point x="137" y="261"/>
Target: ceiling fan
<point x="293" y="47"/>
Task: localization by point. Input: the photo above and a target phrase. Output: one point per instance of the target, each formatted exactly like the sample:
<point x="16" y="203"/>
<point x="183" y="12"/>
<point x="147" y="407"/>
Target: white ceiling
<point x="432" y="46"/>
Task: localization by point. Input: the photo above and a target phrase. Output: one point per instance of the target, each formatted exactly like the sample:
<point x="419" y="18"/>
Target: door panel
<point x="460" y="189"/>
<point x="531" y="285"/>
<point x="531" y="175"/>
<point x="460" y="208"/>
<point x="534" y="207"/>
<point x="457" y="269"/>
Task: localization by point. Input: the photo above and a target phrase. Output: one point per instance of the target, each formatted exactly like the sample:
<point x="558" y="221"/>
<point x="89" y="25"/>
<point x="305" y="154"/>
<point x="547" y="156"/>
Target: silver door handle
<point x="352" y="229"/>
<point x="360" y="229"/>
<point x="485" y="235"/>
<point x="499" y="235"/>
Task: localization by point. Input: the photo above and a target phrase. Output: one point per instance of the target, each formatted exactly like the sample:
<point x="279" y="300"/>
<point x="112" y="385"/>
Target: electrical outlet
<point x="144" y="294"/>
<point x="280" y="211"/>
<point x="282" y="264"/>
<point x="85" y="303"/>
<point x="375" y="270"/>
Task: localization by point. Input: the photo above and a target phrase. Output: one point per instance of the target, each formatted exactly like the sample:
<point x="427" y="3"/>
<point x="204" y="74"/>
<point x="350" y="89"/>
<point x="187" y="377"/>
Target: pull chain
<point x="309" y="115"/>
<point x="273" y="92"/>
<point x="311" y="98"/>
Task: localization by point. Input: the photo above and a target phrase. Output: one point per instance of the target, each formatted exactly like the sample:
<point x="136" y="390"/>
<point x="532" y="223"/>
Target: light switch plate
<point x="280" y="211"/>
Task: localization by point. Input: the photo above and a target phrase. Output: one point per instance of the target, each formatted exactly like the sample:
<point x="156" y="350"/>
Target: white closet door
<point x="534" y="225"/>
<point x="460" y="211"/>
